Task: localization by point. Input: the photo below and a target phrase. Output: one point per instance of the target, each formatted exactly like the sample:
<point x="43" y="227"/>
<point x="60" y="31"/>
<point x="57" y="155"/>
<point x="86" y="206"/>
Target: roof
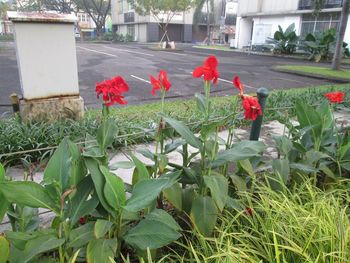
<point x="41" y="17"/>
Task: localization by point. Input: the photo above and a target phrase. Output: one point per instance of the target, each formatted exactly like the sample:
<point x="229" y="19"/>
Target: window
<point x="321" y="23"/>
<point x="307" y="4"/>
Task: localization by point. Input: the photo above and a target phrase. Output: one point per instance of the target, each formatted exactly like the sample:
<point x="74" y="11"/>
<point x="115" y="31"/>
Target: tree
<point x="318" y="5"/>
<point x="4" y="7"/>
<point x="198" y="14"/>
<point x="98" y="10"/>
<point x="163" y="11"/>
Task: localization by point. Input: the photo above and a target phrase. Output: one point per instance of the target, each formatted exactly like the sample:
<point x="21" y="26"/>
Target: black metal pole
<point x="262" y="93"/>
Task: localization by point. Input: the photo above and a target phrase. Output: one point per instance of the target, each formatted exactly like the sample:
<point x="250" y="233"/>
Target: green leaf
<point x="239" y="182"/>
<point x="4" y="249"/>
<point x="101" y="250"/>
<point x="247" y="166"/>
<point x="77" y="168"/>
<point x="114" y="190"/>
<point x="122" y="165"/>
<point x="240" y="151"/>
<point x="2" y="173"/>
<point x="80" y="236"/>
<point x="303" y="168"/>
<point x="200" y="99"/>
<point x="142" y="172"/>
<point x="80" y="205"/>
<point x="145" y="192"/>
<point x="308" y="117"/>
<point x="282" y="169"/>
<point x="163" y="217"/>
<point x="188" y="196"/>
<point x="42" y="243"/>
<point x="174" y="196"/>
<point x="204" y="215"/>
<point x="92" y="149"/>
<point x="28" y="194"/>
<point x="185" y="132"/>
<point x="4" y="204"/>
<point x="99" y="182"/>
<point x="156" y="231"/>
<point x="170" y="147"/>
<point x="101" y="228"/>
<point x="106" y="132"/>
<point x="218" y="186"/>
<point x="58" y="168"/>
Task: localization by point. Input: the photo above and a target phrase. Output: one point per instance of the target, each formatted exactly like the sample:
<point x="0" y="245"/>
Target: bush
<point x="285" y="42"/>
<point x="319" y="45"/>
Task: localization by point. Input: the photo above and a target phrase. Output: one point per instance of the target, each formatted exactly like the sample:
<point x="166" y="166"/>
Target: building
<point x="259" y="19"/>
<point x="182" y="27"/>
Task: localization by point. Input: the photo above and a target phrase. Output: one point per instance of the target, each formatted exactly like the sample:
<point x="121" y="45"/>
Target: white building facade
<point x="259" y="19"/>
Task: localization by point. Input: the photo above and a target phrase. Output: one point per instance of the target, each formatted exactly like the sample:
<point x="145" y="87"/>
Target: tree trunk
<point x="339" y="45"/>
<point x="208" y="24"/>
<point x="99" y="31"/>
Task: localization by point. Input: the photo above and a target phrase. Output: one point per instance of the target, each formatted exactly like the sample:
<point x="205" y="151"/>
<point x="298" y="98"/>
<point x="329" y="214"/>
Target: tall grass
<point x="304" y="224"/>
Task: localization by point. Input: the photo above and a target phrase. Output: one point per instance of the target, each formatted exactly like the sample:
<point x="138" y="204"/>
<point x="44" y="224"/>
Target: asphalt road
<point x="137" y="62"/>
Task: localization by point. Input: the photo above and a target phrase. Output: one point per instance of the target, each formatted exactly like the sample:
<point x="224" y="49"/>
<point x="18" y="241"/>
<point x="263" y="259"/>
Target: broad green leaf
<point x="80" y="236"/>
<point x="80" y="205"/>
<point x="92" y="149"/>
<point x="145" y="192"/>
<point x="100" y="250"/>
<point x="28" y="194"/>
<point x="122" y="165"/>
<point x="4" y="249"/>
<point x="174" y="196"/>
<point x="19" y="239"/>
<point x="185" y="132"/>
<point x="303" y="168"/>
<point x="284" y="145"/>
<point x="239" y="182"/>
<point x="308" y="117"/>
<point x="4" y="204"/>
<point x="101" y="228"/>
<point x="281" y="167"/>
<point x="204" y="214"/>
<point x="218" y="186"/>
<point x="170" y="147"/>
<point x="114" y="190"/>
<point x="42" y="243"/>
<point x="201" y="105"/>
<point x="99" y="182"/>
<point x="58" y="168"/>
<point x="163" y="217"/>
<point x="162" y="162"/>
<point x="73" y="259"/>
<point x="152" y="233"/>
<point x="2" y="173"/>
<point x="247" y="167"/>
<point x="142" y="172"/>
<point x="147" y="153"/>
<point x="77" y="168"/>
<point x="188" y="196"/>
<point x="240" y="151"/>
<point x="106" y="132"/>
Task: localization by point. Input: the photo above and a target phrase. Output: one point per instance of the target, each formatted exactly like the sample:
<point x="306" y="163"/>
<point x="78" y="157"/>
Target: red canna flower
<point x="112" y="91"/>
<point x="249" y="211"/>
<point x="82" y="220"/>
<point x="237" y="82"/>
<point x="335" y="97"/>
<point x="161" y="83"/>
<point x="208" y="70"/>
<point x="251" y="108"/>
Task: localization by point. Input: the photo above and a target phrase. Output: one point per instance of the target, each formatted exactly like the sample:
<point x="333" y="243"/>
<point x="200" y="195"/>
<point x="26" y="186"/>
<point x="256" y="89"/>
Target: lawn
<point x="215" y="47"/>
<point x="318" y="71"/>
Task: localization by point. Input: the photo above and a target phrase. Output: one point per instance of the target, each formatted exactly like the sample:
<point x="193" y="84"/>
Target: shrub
<point x="319" y="45"/>
<point x="285" y="42"/>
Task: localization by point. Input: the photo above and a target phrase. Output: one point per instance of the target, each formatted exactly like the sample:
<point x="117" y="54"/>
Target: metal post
<point x="14" y="102"/>
<point x="262" y="93"/>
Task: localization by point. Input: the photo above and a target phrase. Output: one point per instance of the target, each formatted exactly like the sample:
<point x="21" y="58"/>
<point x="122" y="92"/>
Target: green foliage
<point x="155" y="7"/>
<point x="319" y="45"/>
<point x="285" y="42"/>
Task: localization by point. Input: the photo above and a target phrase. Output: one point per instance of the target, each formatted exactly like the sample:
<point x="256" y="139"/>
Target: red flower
<point x="112" y="90"/>
<point x="161" y="83"/>
<point x="249" y="211"/>
<point x="208" y="70"/>
<point x="251" y="108"/>
<point x="335" y="97"/>
<point x="237" y="82"/>
<point x="82" y="220"/>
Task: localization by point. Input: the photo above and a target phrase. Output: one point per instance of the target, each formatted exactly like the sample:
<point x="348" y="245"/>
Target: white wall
<point x="142" y="33"/>
<point x="347" y="33"/>
<point x="46" y="55"/>
<point x="266" y="6"/>
<point x="243" y="34"/>
<point x="269" y="25"/>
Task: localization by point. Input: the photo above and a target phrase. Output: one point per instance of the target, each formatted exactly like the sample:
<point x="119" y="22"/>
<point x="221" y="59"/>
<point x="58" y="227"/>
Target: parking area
<point x="137" y="62"/>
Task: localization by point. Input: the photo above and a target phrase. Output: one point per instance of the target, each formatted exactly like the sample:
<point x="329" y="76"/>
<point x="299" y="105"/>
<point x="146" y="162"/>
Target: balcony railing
<point x="308" y="4"/>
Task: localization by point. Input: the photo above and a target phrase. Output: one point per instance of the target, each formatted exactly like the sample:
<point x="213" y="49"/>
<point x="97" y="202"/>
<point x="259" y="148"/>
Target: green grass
<point x="322" y="71"/>
<point x="302" y="225"/>
<point x="214" y="47"/>
<point x="16" y="136"/>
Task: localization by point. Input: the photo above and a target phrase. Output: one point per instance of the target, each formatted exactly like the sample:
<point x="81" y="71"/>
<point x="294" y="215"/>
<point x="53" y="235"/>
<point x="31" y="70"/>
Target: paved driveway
<point x="137" y="62"/>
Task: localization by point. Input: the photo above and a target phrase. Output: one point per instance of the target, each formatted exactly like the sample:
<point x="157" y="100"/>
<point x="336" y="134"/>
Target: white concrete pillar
<point x="47" y="62"/>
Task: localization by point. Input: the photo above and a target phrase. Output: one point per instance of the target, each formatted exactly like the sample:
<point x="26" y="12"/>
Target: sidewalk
<point x="269" y="130"/>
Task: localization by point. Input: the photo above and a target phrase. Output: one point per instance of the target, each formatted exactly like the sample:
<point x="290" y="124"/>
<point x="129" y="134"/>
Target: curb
<point x="312" y="75"/>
